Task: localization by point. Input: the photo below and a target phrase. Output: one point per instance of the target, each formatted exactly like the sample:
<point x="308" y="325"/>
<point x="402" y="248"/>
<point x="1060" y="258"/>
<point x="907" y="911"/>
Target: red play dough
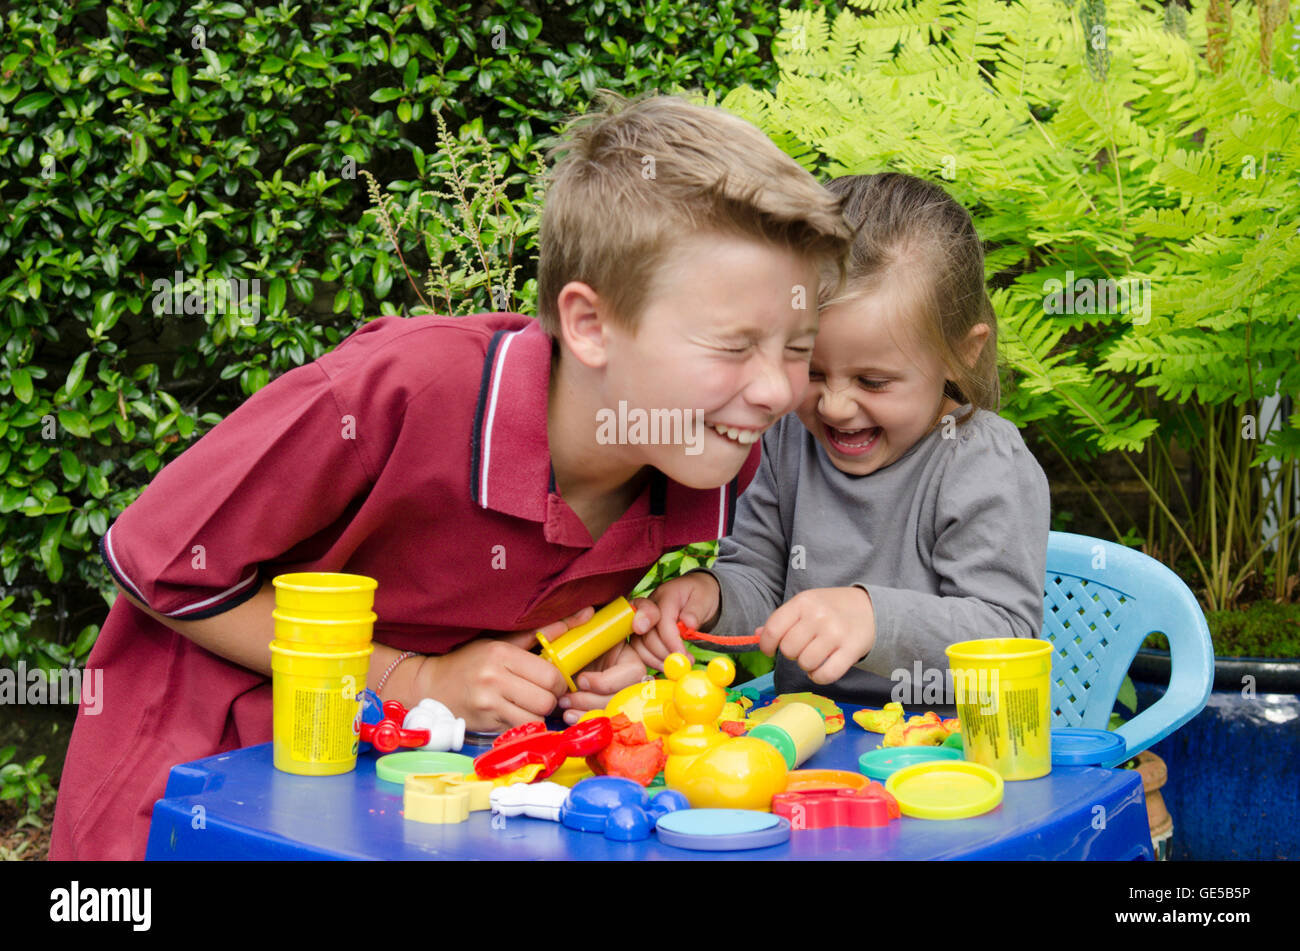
<point x="629" y="753"/>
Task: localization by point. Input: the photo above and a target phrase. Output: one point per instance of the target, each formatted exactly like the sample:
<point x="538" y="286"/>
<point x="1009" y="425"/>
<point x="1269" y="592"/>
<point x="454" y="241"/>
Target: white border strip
<point x="117" y="565"/>
<point x="189" y="608"/>
<point x="722" y="511"/>
<point x="198" y="605"/>
<point x="491" y="416"/>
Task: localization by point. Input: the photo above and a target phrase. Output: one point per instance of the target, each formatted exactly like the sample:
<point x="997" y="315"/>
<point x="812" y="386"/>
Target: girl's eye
<point x="815" y="375"/>
<point x="871" y="384"/>
<point x="802" y="351"/>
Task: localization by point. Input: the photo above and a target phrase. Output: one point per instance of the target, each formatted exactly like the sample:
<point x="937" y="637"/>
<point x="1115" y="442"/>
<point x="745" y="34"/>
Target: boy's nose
<point x="770" y="387"/>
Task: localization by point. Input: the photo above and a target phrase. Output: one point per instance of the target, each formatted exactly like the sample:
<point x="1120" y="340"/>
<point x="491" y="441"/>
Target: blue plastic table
<point x="238" y="806"/>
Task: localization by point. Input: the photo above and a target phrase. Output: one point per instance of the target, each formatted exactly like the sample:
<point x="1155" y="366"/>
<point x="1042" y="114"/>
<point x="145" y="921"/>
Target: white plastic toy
<point x="538" y="800"/>
<point x="446" y="730"/>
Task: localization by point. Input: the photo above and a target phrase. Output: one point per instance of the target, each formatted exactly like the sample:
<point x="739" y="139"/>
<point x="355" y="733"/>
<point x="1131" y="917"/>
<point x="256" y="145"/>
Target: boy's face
<point x="726" y="337"/>
<point x="872" y="393"/>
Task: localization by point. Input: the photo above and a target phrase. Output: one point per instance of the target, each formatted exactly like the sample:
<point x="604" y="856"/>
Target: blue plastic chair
<point x="1100" y="602"/>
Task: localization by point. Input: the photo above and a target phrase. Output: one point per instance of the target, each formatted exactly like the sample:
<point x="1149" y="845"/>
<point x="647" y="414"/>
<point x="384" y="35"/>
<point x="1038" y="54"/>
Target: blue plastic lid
<point x="722" y="830"/>
<point x="1073" y="746"/>
<point x="884" y="762"/>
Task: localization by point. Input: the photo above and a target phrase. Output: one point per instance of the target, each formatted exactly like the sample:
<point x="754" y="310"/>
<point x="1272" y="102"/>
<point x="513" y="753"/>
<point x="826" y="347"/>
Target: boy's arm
<point x="279" y="469"/>
<point x="992" y="520"/>
<point x="241" y="635"/>
<point x="751" y="564"/>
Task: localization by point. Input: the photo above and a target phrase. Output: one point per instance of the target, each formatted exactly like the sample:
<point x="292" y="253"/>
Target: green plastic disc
<point x="395" y="767"/>
<point x="884" y="762"/>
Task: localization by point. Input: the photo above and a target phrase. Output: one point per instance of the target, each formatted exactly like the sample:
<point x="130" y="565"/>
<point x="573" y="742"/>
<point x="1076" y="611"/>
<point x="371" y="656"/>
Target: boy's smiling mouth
<point x="742" y="437"/>
<point x="852" y="442"/>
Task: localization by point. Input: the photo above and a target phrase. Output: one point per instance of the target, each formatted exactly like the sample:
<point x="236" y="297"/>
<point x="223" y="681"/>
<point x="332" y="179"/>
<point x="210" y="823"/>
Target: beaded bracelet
<point x="379" y="688"/>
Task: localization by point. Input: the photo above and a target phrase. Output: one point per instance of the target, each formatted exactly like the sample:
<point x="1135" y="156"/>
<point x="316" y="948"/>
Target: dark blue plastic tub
<point x="1234" y="769"/>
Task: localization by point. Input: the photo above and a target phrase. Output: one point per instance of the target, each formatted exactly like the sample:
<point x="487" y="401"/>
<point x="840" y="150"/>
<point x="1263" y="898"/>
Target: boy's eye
<point x="800" y="350"/>
<point x="871" y="384"/>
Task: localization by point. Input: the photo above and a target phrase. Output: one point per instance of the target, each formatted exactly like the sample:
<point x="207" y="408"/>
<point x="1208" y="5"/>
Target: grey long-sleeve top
<point x="950" y="541"/>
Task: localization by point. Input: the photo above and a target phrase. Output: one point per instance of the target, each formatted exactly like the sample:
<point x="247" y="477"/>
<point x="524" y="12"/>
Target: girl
<point x="898" y="513"/>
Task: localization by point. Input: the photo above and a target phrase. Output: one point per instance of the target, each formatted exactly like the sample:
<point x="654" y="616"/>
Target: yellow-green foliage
<point x="1112" y="151"/>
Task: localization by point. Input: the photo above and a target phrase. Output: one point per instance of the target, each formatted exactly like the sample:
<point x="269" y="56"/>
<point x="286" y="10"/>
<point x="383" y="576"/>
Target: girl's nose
<point x="836" y="406"/>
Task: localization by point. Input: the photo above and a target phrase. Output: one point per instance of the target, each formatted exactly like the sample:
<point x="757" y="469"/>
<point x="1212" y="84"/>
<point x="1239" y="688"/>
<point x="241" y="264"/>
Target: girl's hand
<point x="693" y="598"/>
<point x="497" y="682"/>
<point x="824" y="630"/>
<point x="605" y="676"/>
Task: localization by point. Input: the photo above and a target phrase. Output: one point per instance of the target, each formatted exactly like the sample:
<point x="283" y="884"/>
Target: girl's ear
<point x="973" y="346"/>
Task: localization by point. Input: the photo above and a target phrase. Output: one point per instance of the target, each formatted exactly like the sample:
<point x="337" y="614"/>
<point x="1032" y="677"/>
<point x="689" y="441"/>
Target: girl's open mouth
<point x="852" y="442"/>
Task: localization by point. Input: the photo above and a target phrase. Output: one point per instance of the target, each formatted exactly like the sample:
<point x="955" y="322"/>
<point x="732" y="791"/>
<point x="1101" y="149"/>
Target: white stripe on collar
<point x="491" y="415"/>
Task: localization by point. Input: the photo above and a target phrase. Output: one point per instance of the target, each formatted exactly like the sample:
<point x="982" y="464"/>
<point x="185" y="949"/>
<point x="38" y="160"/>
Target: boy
<point x="464" y="464"/>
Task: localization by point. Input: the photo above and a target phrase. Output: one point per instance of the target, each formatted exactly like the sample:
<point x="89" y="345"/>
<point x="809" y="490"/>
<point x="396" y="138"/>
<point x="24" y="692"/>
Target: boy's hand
<point x="497" y="682"/>
<point x="601" y="679"/>
<point x="824" y="630"/>
<point x="693" y="599"/>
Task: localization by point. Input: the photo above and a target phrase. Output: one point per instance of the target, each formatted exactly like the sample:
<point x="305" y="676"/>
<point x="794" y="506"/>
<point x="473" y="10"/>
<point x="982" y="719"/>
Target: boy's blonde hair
<point x="910" y="230"/>
<point x="636" y="177"/>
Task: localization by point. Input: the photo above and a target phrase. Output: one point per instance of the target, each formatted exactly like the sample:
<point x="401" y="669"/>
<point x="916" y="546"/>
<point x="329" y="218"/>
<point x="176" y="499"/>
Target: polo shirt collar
<point x="511" y="468"/>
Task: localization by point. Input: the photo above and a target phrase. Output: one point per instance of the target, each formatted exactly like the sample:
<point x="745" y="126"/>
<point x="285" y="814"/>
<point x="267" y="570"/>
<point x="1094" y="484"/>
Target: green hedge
<point x="224" y="141"/>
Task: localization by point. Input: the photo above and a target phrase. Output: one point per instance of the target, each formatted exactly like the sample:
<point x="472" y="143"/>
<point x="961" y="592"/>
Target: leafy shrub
<point x="25" y="781"/>
<point x="222" y="142"/>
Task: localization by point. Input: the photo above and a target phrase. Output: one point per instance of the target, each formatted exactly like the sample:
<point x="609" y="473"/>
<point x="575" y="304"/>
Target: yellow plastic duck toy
<point x="650" y="704"/>
<point x="712" y="769"/>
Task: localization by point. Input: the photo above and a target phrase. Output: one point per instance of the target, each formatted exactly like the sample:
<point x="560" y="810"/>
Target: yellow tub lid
<point x="945" y="789"/>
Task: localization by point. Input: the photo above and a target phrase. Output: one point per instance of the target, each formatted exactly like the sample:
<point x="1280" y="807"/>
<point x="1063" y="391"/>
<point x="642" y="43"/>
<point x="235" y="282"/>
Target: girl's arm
<point x="992" y="515"/>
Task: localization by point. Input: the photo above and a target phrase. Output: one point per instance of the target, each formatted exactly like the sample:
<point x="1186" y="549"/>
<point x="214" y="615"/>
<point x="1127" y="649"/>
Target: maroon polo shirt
<point x="415" y="453"/>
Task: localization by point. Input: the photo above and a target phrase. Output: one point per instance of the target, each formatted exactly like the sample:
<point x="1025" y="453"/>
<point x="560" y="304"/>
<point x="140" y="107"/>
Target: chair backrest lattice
<point x="1085" y="622"/>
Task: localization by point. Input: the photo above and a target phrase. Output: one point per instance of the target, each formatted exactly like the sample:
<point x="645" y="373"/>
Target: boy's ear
<point x="582" y="328"/>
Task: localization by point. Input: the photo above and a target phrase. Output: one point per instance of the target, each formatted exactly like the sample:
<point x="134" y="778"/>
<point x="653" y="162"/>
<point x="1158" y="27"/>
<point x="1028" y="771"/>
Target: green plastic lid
<point x="778" y="738"/>
<point x="884" y="762"/>
<point x="395" y="767"/>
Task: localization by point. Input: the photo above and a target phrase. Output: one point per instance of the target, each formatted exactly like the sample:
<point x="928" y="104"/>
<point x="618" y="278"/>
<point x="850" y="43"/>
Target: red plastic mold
<point x="533" y="743"/>
<point x="387" y="735"/>
<point x="869" y="807"/>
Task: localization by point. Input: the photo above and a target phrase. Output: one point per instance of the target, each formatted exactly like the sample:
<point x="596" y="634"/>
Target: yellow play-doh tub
<point x="316" y="703"/>
<point x="323" y="634"/>
<point x="1003" y="687"/>
<point x="324" y="594"/>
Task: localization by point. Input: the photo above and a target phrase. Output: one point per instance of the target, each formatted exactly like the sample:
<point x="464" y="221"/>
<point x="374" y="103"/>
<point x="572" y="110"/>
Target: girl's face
<point x="873" y="391"/>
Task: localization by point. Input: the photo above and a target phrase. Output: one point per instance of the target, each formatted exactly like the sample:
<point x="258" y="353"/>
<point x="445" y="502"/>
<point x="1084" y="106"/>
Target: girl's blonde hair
<point x="637" y="177"/>
<point x="912" y="230"/>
